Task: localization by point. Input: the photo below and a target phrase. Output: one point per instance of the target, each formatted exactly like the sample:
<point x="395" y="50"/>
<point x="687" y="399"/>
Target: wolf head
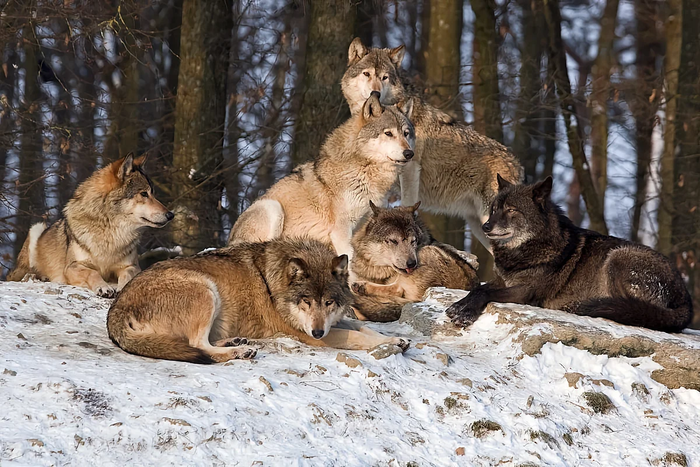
<point x="371" y="69"/>
<point x="392" y="238"/>
<point x="519" y="213"/>
<point x="386" y="133"/>
<point x="308" y="283"/>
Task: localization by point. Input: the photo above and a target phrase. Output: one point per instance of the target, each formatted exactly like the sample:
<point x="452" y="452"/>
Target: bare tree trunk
<point x="599" y="99"/>
<point x="30" y="185"/>
<point x="672" y="60"/>
<point x="686" y="196"/>
<point x="568" y="105"/>
<point x="644" y="102"/>
<point x="323" y="107"/>
<point x="199" y="122"/>
<point x="442" y="72"/>
<point x="486" y="67"/>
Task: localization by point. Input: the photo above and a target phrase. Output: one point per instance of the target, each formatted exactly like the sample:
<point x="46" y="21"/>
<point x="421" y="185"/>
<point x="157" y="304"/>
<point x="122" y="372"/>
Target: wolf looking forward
<point x="543" y="259"/>
<point x="202" y="308"/>
<point x="454" y="168"/>
<point x="396" y="261"/>
<point x="325" y="199"/>
<point x="96" y="240"/>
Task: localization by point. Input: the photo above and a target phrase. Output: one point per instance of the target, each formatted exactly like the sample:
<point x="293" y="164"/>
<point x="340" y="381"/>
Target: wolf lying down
<point x="194" y="309"/>
<point x="543" y="259"/>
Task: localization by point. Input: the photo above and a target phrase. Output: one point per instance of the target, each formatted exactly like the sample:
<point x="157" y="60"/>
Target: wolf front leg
<point x="81" y="274"/>
<point x="409" y="179"/>
<point x="125" y="274"/>
<point x="467" y="310"/>
<point x="362" y="339"/>
<point x="341" y="237"/>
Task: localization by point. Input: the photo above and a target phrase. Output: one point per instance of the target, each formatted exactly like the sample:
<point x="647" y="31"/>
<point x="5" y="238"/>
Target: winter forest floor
<point x="70" y="397"/>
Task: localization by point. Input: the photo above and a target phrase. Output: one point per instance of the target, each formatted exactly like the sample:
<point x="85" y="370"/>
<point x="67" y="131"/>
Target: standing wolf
<point x="202" y="308"/>
<point x="396" y="261"/>
<point x="454" y="168"/>
<point x="96" y="240"/>
<point x="543" y="259"/>
<point x="326" y="198"/>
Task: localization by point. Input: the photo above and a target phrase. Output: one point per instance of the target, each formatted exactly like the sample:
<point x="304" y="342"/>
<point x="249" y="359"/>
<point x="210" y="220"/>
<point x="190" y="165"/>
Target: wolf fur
<point x="543" y="259"/>
<point x="454" y="168"/>
<point x="96" y="240"/>
<point x="326" y="198"/>
<point x="396" y="261"/>
<point x="202" y="309"/>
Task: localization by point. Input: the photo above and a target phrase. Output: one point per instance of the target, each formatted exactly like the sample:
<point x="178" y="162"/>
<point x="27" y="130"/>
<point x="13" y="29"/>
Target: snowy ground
<point x="70" y="397"/>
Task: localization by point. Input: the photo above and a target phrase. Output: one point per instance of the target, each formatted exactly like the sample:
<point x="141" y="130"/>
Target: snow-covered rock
<point x="511" y="390"/>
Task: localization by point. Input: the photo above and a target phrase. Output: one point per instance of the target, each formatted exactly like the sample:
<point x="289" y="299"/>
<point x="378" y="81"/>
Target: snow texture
<point x="71" y="397"/>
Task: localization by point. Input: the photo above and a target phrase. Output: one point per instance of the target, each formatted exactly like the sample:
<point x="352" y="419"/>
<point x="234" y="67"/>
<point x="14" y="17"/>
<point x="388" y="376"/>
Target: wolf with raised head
<point x="95" y="244"/>
<point x="454" y="168"/>
<point x="203" y="308"/>
<point x="326" y="198"/>
<point x="543" y="259"/>
<point x="396" y="261"/>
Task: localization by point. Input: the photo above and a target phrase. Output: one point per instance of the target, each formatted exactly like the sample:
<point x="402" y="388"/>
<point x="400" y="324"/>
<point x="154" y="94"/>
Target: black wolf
<point x="543" y="259"/>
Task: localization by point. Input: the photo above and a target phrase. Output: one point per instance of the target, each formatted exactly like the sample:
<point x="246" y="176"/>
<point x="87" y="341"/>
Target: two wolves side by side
<point x="96" y="240"/>
<point x="201" y="308"/>
<point x="326" y="198"/>
<point x="454" y="168"/>
<point x="396" y="261"/>
<point x="543" y="259"/>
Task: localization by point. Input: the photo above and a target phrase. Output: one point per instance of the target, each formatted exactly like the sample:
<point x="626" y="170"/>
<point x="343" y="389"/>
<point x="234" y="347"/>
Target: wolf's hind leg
<point x="262" y="221"/>
<point x="364" y="339"/>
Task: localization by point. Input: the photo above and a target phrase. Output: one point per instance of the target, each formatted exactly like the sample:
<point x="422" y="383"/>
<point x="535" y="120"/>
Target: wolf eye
<point x="389" y="134"/>
<point x="306" y="301"/>
<point x="406" y="133"/>
<point x="393" y="242"/>
<point x="330" y="302"/>
<point x="511" y="210"/>
<point x="144" y="194"/>
<point x="366" y="73"/>
<point x="385" y="77"/>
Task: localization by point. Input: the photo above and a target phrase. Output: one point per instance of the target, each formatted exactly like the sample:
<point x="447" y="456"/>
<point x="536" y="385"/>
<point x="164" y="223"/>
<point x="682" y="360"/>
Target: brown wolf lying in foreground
<point x="202" y="308"/>
<point x="396" y="261"/>
<point x="96" y="241"/>
<point x="543" y="259"/>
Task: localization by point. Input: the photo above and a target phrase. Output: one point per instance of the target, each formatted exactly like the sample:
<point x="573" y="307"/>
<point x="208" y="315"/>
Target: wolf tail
<point x="635" y="312"/>
<point x="149" y="344"/>
<point x="26" y="257"/>
<point x="378" y="308"/>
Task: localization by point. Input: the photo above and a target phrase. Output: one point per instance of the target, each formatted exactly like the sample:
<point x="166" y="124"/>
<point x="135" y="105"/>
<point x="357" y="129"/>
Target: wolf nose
<point x="411" y="264"/>
<point x="376" y="94"/>
<point x="408" y="154"/>
<point x="487" y="228"/>
<point x="169" y="215"/>
<point x="317" y="333"/>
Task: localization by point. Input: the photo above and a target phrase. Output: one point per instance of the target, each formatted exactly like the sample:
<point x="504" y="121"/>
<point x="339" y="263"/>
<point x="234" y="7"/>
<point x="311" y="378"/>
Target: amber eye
<point x="510" y="210"/>
<point x="366" y="73"/>
<point x="306" y="301"/>
<point x="144" y="194"/>
<point x="389" y="134"/>
<point x="406" y="133"/>
<point x="330" y="302"/>
<point x="385" y="78"/>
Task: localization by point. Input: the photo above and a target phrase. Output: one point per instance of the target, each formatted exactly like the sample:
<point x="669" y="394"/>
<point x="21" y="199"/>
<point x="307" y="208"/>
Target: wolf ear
<point x="127" y="166"/>
<point x="372" y="107"/>
<point x="396" y="55"/>
<point x="356" y="51"/>
<point x="374" y="208"/>
<point x="406" y="108"/>
<point x="541" y="190"/>
<point x="296" y="269"/>
<point x="502" y="183"/>
<point x="414" y="208"/>
<point x="139" y="161"/>
<point x="340" y="265"/>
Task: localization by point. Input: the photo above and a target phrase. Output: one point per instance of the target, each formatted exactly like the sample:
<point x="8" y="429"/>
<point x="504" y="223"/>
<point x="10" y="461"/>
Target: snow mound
<point x="480" y="398"/>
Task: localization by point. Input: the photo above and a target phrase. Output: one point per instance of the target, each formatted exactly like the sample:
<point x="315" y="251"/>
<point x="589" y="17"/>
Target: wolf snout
<point x="317" y="333"/>
<point x="169" y="215"/>
<point x="411" y="263"/>
<point x="408" y="154"/>
<point x="487" y="227"/>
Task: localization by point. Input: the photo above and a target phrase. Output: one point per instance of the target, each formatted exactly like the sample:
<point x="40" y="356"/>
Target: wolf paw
<point x="106" y="291"/>
<point x="463" y="315"/>
<point x="359" y="288"/>
<point x="231" y="342"/>
<point x="29" y="277"/>
<point x="243" y="353"/>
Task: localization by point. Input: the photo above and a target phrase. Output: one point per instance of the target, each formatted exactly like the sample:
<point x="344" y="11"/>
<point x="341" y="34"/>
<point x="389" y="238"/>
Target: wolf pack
<point x="323" y="244"/>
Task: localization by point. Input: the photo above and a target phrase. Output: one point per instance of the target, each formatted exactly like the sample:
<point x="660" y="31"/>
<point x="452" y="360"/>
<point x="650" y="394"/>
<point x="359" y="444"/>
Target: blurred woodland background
<point x="226" y="96"/>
